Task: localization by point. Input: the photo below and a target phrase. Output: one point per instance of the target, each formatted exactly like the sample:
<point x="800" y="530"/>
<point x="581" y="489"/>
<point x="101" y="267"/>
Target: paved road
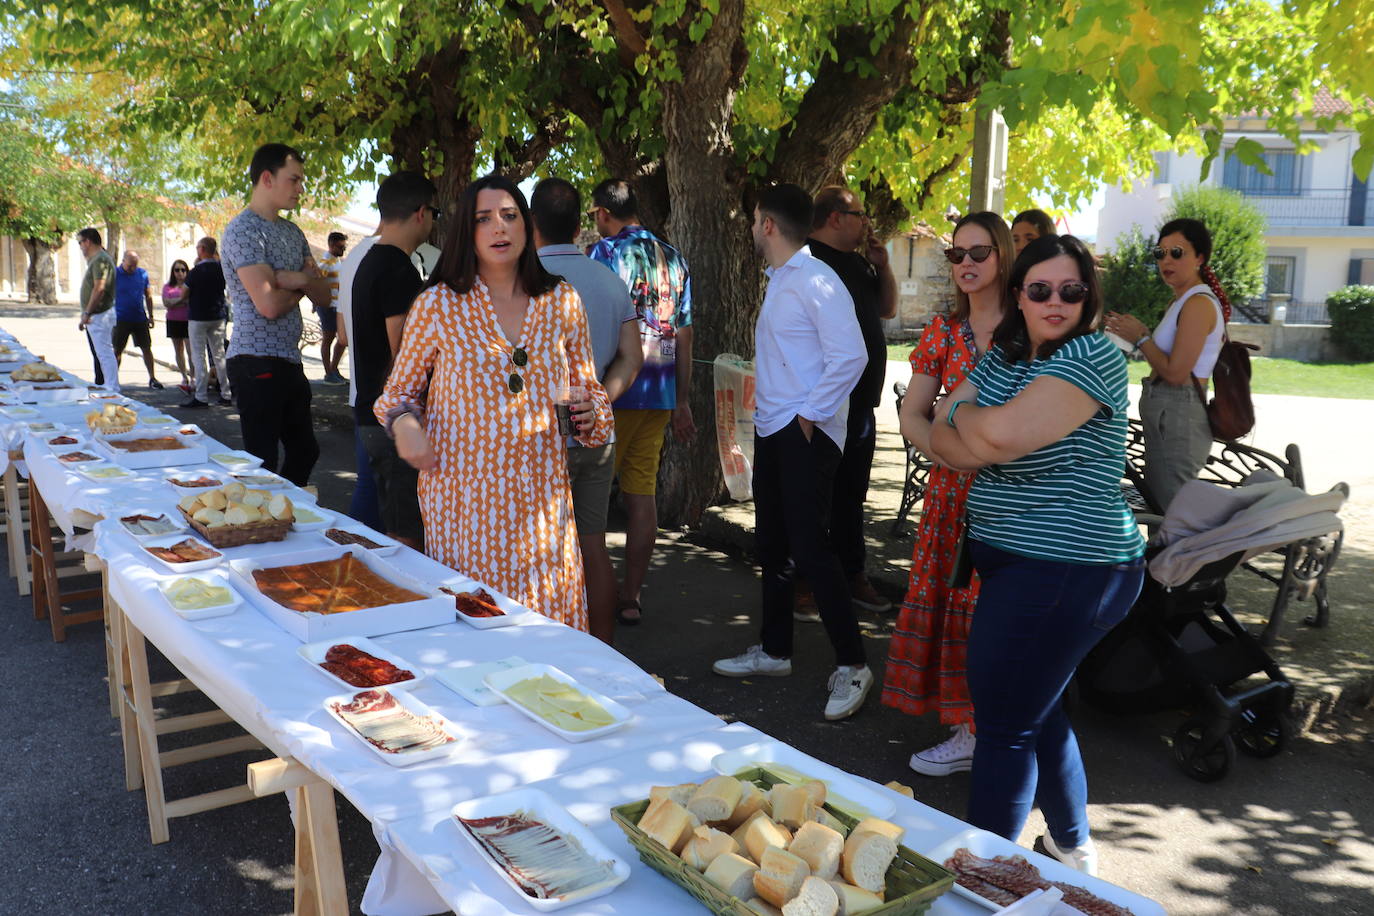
<point x="1278" y="837"/>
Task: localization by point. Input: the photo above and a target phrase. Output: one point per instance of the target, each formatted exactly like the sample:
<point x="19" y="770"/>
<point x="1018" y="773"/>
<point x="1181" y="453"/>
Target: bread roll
<point x="780" y="876"/>
<point x="763" y="834"/>
<point x="191" y="503"/>
<point x="762" y="907"/>
<point x="816" y="898"/>
<point x="234" y="491"/>
<point x="215" y="499"/>
<point x="739" y="832"/>
<point x="239" y="514"/>
<point x="667" y="822"/>
<point x="791" y="805"/>
<point x="878" y="825"/>
<point x="865" y="859"/>
<point x="279" y="507"/>
<point x="816" y="789"/>
<point x="900" y="789"/>
<point x="822" y="816"/>
<point x="680" y="794"/>
<point x="254" y="498"/>
<point x="705" y="844"/>
<point x="716" y="799"/>
<point x="752" y="799"/>
<point x="854" y="900"/>
<point x="733" y="874"/>
<point x="209" y="517"/>
<point x="820" y="846"/>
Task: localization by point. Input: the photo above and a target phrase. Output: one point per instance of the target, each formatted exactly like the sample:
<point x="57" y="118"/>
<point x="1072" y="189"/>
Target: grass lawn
<point x="1270" y="376"/>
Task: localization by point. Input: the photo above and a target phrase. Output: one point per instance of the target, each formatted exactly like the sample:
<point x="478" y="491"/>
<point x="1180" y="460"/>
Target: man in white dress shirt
<point x="809" y="353"/>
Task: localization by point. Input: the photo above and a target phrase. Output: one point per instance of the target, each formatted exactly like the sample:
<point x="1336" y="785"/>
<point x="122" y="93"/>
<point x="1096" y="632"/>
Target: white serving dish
<point x="514" y="612"/>
<point x="388" y="547"/>
<point x="267" y="481"/>
<point x="18" y="413"/>
<point x="104" y="396"/>
<point x="539" y="805"/>
<point x="844" y="791"/>
<point x="502" y="681"/>
<point x="314" y="654"/>
<point x="81" y="440"/>
<point x="196" y="432"/>
<point x="236" y="460"/>
<point x="125" y="511"/>
<point x="325" y="519"/>
<point x="40" y="393"/>
<point x="167" y="540"/>
<point x="430" y="611"/>
<point x="61" y="450"/>
<point x="42" y="427"/>
<point x="99" y="472"/>
<point x="415" y="707"/>
<point x="470" y="682"/>
<point x="987" y="845"/>
<point x="156" y="420"/>
<point x="216" y="577"/>
<point x="192" y="474"/>
<point x="190" y="453"/>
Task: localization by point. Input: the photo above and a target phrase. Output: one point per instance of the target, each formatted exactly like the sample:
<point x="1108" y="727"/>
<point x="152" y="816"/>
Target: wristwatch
<point x="1141" y="342"/>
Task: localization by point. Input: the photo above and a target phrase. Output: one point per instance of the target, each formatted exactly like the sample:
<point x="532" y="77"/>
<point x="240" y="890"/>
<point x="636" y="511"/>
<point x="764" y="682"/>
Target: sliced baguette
<point x="668" y="823"/>
<point x="742" y="830"/>
<point x="780" y="875"/>
<point x="816" y="898"/>
<point x="751" y="799"/>
<point x="865" y="859"/>
<point x="715" y="801"/>
<point x="878" y="825"/>
<point x="763" y="834"/>
<point x="733" y="874"/>
<point x="705" y="844"/>
<point x="680" y="794"/>
<point x="816" y="789"/>
<point x="855" y="900"/>
<point x="763" y="907"/>
<point x="820" y="846"/>
<point x="822" y="816"/>
<point x="791" y="805"/>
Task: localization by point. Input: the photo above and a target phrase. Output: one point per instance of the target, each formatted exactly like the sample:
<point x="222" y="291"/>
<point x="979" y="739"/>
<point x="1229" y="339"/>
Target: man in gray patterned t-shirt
<point x="268" y="267"/>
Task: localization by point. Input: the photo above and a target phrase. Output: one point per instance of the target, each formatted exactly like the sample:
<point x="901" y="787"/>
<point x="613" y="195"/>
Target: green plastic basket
<point x="913" y="881"/>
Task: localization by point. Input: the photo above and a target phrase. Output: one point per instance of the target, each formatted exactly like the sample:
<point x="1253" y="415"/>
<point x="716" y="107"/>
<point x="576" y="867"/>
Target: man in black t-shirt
<point x="205" y="327"/>
<point x="384" y="286"/>
<point x="839" y="228"/>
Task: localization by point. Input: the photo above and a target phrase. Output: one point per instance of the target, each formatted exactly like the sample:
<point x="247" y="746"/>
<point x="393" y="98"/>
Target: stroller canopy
<point x="1206" y="522"/>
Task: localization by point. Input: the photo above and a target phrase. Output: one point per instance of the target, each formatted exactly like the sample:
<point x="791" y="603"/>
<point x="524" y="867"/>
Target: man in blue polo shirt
<point x="134" y="312"/>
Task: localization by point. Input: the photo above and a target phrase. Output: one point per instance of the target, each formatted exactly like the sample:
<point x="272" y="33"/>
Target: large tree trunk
<point x="114" y="237"/>
<point x="42" y="277"/>
<point x="710" y="224"/>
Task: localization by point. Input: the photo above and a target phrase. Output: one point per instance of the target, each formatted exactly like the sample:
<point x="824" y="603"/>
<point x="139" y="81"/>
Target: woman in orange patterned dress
<point x="470" y="402"/>
<point x="925" y="664"/>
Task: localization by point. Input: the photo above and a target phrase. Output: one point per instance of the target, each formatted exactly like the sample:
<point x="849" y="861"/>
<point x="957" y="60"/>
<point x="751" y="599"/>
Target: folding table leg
<point x="320" y="889"/>
<point x="136" y="650"/>
<point x="14" y="530"/>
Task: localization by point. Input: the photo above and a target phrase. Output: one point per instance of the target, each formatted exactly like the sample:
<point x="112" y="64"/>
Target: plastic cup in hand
<point x="568" y="395"/>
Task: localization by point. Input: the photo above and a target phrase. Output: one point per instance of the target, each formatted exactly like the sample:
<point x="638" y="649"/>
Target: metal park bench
<point x="1306" y="563"/>
<point x="914" y="482"/>
<point x="311" y="334"/>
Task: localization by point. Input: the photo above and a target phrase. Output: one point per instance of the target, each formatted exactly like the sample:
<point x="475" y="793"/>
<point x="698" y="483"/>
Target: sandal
<point x="628" y="605"/>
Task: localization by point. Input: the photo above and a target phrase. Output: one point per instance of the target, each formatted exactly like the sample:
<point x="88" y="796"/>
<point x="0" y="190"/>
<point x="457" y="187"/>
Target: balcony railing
<point x="1260" y="311"/>
<point x="1314" y="207"/>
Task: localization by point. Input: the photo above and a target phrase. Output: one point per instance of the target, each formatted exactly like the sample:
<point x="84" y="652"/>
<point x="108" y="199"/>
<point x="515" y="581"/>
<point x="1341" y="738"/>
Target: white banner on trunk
<point x="734" y="379"/>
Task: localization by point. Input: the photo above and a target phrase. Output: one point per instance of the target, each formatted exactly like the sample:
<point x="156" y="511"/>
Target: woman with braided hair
<point x="1181" y="353"/>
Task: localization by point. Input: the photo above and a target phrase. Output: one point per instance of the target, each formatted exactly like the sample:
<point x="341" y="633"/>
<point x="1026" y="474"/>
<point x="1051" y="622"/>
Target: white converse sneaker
<point x="848" y="687"/>
<point x="951" y="756"/>
<point x="1082" y="858"/>
<point x="753" y="661"/>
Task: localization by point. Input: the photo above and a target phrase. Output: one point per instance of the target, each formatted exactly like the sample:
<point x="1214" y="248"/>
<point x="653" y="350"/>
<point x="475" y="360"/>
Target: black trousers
<point x="99" y="375"/>
<point x="273" y="398"/>
<point x="793" y="484"/>
<point x="851" y="492"/>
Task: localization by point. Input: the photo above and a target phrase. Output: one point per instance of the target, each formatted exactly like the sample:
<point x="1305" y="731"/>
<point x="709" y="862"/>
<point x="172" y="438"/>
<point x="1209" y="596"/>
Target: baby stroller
<point x="1181" y="646"/>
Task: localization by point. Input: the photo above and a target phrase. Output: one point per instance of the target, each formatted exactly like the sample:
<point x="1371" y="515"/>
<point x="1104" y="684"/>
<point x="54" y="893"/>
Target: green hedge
<point x="1352" y="321"/>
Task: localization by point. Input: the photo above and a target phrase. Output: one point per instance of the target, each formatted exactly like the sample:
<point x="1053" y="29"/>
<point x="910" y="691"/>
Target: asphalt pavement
<point x="1289" y="835"/>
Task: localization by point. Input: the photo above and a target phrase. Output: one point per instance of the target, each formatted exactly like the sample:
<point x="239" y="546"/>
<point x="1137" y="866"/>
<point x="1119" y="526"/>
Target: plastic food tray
<point x="314" y="654"/>
<point x="416" y="708"/>
<point x="515" y="613"/>
<point x="502" y="681"/>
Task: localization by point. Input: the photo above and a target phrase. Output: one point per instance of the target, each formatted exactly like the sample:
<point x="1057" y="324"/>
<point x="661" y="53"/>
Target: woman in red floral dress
<point x="925" y="664"/>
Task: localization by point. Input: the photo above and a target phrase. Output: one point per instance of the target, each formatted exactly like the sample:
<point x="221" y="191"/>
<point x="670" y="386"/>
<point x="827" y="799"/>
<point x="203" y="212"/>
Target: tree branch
<point x="627" y="32"/>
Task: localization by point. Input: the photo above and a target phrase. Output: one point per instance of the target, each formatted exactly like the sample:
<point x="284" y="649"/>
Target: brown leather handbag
<point x="1231" y="412"/>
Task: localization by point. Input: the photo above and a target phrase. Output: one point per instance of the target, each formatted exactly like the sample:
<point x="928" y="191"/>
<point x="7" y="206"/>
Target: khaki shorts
<point x="590" y="471"/>
<point x="638" y="444"/>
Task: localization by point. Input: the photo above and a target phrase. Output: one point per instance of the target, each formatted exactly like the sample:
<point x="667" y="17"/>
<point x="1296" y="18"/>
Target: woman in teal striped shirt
<point x="1043" y="420"/>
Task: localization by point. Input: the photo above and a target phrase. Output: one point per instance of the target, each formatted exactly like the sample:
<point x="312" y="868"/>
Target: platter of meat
<point x="190" y="431"/>
<point x="146" y="523"/>
<point x="996" y="873"/>
<point x="395" y="726"/>
<point x="182" y="554"/>
<point x="356" y="662"/>
<point x="75" y="456"/>
<point x="366" y="538"/>
<point x="193" y="480"/>
<point x="548" y="858"/>
<point x="477" y="606"/>
<point x="64" y="440"/>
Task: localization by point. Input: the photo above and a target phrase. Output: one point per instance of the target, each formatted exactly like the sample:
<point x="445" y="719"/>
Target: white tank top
<point x="1168" y="328"/>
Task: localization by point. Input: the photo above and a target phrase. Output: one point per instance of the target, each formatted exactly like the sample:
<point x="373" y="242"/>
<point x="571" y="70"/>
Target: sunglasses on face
<point x="1175" y="253"/>
<point x="979" y="253"/>
<point x="434" y="211"/>
<point x="1070" y="293"/>
<point x="519" y="358"/>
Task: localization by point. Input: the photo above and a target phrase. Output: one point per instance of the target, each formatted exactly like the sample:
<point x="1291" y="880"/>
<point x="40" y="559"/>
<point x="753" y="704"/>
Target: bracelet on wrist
<point x="949" y="417"/>
<point x="1141" y="342"/>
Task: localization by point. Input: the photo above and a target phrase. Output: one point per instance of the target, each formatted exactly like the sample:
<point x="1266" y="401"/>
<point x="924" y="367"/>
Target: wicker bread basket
<point x="913" y="881"/>
<point x="259" y="532"/>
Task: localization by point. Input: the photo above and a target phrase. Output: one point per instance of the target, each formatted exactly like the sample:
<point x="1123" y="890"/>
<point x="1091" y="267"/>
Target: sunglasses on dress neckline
<point x="1071" y="293"/>
<point x="1176" y="253"/>
<point x="519" y="358"/>
<point x="979" y="253"/>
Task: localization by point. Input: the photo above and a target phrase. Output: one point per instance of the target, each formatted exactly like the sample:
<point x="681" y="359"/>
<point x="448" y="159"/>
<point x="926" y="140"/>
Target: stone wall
<point x="1308" y="343"/>
<point x="924" y="286"/>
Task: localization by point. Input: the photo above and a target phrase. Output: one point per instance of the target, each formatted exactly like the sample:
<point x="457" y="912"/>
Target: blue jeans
<point x="1034" y="623"/>
<point x="366" y="503"/>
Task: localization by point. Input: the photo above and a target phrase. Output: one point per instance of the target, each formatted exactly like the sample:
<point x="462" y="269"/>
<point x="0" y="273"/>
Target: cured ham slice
<point x="361" y="669"/>
<point x="1006" y="879"/>
<point x="542" y="861"/>
<point x="380" y="720"/>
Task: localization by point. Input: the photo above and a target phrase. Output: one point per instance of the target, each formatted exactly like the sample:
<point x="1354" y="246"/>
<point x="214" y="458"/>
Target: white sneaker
<point x="1082" y="858"/>
<point x="848" y="687"/>
<point x="753" y="661"/>
<point x="950" y="756"/>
